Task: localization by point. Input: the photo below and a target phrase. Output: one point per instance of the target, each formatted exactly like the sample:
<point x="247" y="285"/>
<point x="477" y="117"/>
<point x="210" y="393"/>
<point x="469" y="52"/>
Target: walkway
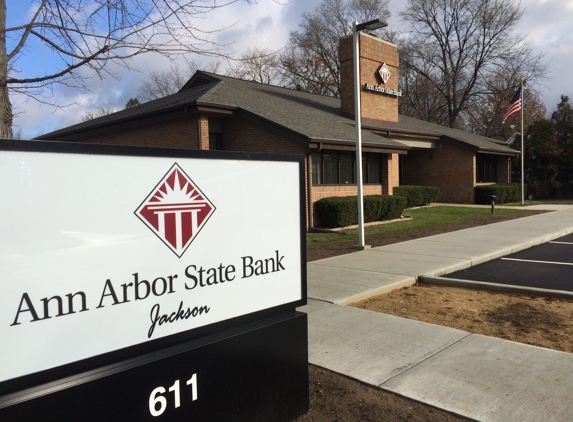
<point x="480" y="377"/>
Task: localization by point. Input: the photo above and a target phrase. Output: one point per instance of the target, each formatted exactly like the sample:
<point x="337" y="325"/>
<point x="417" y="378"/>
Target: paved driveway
<point x="547" y="266"/>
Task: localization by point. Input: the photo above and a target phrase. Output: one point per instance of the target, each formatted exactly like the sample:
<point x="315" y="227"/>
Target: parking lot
<point x="548" y="266"/>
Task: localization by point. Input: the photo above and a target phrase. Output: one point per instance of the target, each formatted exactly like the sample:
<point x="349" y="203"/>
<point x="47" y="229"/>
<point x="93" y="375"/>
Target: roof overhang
<point x="395" y="133"/>
<point x="194" y="108"/>
<point x="507" y="154"/>
<point x="210" y="109"/>
<point x="480" y="149"/>
<point x="341" y="145"/>
<point x="419" y="143"/>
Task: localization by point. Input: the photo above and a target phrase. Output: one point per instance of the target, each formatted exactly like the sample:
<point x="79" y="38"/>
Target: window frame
<point x="486" y="168"/>
<point x="318" y="177"/>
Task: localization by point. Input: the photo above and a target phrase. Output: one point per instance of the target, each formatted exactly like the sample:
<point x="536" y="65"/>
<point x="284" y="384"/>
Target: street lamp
<point x="357" y="27"/>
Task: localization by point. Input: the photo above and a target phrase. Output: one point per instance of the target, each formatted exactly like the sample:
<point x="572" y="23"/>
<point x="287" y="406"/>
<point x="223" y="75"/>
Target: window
<point x="216" y="141"/>
<point x="486" y="168"/>
<point x="371" y="168"/>
<point x="339" y="168"/>
<point x="215" y="134"/>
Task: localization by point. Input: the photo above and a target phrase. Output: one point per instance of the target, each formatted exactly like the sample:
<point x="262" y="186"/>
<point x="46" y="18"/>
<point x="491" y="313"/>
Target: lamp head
<point x="372" y="25"/>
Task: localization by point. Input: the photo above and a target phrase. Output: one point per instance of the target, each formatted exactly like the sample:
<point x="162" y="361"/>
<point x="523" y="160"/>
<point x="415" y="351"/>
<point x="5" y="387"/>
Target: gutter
<point x="492" y="151"/>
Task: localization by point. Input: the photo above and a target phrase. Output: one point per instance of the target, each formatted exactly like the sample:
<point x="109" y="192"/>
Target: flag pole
<point x="522" y="149"/>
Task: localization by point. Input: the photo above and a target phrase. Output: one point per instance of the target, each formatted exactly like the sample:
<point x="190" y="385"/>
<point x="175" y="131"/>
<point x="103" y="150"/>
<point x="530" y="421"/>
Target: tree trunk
<point x="6" y="115"/>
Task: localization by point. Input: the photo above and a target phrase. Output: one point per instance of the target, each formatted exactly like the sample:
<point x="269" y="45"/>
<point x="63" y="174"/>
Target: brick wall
<point x="373" y="52"/>
<point x="180" y="133"/>
<point x="390" y="173"/>
<point x="203" y="132"/>
<point x="451" y="168"/>
<point x="242" y="135"/>
<point x="325" y="191"/>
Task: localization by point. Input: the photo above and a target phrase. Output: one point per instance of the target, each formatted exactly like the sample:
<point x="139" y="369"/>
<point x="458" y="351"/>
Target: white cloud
<point x="260" y="24"/>
<point x="547" y="24"/>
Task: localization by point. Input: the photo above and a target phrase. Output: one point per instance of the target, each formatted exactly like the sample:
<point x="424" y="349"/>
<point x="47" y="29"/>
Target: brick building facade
<point x="214" y="112"/>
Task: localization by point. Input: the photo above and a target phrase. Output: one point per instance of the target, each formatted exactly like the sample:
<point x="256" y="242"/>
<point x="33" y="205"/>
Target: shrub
<point x="343" y="211"/>
<point x="504" y="192"/>
<point x="417" y="195"/>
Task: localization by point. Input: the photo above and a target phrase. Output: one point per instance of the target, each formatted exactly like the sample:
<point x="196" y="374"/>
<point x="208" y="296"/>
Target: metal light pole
<point x="357" y="27"/>
<point x="522" y="150"/>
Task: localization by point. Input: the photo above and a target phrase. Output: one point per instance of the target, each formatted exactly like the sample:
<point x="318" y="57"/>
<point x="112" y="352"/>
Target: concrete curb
<point x="376" y="292"/>
<point x="494" y="287"/>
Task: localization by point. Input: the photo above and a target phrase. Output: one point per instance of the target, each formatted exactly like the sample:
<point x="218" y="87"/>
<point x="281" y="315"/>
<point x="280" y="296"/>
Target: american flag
<point x="514" y="106"/>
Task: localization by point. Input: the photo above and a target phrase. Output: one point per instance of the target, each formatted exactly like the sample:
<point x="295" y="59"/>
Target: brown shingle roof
<point x="310" y="116"/>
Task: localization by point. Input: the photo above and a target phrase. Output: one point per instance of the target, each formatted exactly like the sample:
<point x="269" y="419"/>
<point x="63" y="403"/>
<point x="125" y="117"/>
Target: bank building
<point x="215" y="112"/>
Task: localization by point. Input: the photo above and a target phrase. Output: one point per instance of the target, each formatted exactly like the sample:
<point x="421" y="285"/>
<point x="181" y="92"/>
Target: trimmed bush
<point x="343" y="211"/>
<point x="417" y="195"/>
<point x="504" y="192"/>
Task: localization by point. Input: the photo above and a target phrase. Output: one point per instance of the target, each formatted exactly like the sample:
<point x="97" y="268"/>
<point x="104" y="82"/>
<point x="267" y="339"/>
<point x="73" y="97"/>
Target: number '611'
<point x="158" y="403"/>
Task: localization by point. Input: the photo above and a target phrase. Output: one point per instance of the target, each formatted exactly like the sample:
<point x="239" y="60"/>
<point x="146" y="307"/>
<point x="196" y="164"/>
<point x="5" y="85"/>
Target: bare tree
<point x="160" y="84"/>
<point x="310" y="62"/>
<point x="92" y="35"/>
<point x="302" y="70"/>
<point x="99" y="112"/>
<point x="420" y="97"/>
<point x="259" y="64"/>
<point x="458" y="46"/>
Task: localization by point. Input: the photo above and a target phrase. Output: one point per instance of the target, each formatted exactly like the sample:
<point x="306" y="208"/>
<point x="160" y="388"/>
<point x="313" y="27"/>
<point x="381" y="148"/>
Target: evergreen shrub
<point x="343" y="211"/>
<point x="417" y="195"/>
<point x="504" y="192"/>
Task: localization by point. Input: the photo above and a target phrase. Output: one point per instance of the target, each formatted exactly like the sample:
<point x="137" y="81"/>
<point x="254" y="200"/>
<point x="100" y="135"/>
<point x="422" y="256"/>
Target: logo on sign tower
<point x="384" y="73"/>
<point x="176" y="210"/>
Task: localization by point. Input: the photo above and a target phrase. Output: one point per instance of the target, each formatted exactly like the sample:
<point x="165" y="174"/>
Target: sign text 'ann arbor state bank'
<point x="140" y="288"/>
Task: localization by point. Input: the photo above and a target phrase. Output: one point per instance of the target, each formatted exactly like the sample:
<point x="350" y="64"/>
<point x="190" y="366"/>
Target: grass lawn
<point x="422" y="218"/>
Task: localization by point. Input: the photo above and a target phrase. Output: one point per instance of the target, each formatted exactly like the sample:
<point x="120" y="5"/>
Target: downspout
<point x="199" y="132"/>
<point x="309" y="189"/>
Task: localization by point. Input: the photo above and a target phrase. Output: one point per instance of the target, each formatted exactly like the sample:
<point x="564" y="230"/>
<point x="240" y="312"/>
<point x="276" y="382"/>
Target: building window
<point x="371" y="168"/>
<point x="215" y="134"/>
<point x="216" y="141"/>
<point x="486" y="168"/>
<point x="339" y="168"/>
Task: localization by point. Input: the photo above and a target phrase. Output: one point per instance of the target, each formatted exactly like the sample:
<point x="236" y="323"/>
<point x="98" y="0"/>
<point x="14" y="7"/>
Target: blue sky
<point x="547" y="24"/>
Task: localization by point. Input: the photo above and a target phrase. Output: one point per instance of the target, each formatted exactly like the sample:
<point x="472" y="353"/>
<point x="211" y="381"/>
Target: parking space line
<point x="563" y="243"/>
<point x="538" y="262"/>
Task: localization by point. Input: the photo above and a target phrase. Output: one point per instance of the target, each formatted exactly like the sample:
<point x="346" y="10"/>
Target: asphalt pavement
<point x="482" y="378"/>
<point x="547" y="266"/>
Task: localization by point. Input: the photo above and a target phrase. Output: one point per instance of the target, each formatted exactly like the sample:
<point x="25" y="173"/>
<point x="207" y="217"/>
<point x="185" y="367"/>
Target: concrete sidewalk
<point x="480" y="377"/>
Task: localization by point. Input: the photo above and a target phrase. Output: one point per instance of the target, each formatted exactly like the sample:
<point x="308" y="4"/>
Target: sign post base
<point x="255" y="372"/>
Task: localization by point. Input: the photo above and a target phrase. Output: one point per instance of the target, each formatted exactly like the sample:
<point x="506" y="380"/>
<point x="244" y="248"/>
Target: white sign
<point x="382" y="90"/>
<point x="99" y="253"/>
<point x="384" y="73"/>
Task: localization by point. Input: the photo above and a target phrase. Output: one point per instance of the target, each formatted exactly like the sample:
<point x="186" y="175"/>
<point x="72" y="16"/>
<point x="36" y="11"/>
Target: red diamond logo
<point x="176" y="210"/>
<point x="384" y="73"/>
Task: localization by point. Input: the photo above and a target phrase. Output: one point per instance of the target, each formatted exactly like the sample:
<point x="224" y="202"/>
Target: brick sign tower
<point x="380" y="100"/>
